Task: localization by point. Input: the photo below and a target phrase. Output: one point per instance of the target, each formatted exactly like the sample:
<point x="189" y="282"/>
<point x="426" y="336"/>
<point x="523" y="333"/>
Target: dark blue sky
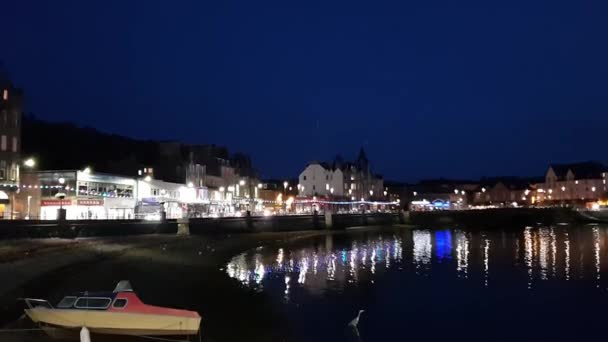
<point x="429" y="88"/>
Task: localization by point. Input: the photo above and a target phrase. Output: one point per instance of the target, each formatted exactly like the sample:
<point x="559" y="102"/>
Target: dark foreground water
<point x="540" y="283"/>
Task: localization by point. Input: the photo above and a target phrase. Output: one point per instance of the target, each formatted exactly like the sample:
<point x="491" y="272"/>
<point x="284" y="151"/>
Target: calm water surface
<point x="536" y="283"/>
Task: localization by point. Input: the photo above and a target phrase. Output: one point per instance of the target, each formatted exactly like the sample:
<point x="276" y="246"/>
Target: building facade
<point x="349" y="180"/>
<point x="87" y="195"/>
<point x="11" y="112"/>
<point x="573" y="183"/>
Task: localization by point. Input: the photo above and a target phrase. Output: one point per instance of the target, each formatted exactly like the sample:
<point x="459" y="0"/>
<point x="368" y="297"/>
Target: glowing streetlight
<point x="462" y="192"/>
<point x="483" y="189"/>
<point x="241" y="182"/>
<point x="222" y="189"/>
<point x="260" y="185"/>
<point x="385" y="193"/>
<point x="563" y="188"/>
<point x="30" y="162"/>
<point x="331" y="190"/>
<point x="371" y="192"/>
<point x="550" y="191"/>
<point x="61" y="180"/>
<point x="456" y="191"/>
<point x="593" y="189"/>
<point x="147" y="178"/>
<point x="190" y="184"/>
<point x="415" y="193"/>
<point x="285" y="184"/>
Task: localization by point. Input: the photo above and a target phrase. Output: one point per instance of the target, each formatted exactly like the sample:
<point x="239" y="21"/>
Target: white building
<point x="352" y="180"/>
<point x="319" y="179"/>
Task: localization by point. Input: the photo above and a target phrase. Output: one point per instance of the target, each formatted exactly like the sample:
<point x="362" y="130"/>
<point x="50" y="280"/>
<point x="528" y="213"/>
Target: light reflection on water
<point x="547" y="254"/>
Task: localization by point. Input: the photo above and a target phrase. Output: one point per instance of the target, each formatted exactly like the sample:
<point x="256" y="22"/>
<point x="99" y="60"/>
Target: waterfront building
<point x="11" y="111"/>
<point x="349" y="180"/>
<point x="87" y="195"/>
<point x="83" y="195"/>
<point x="575" y="183"/>
<point x="441" y="194"/>
<point x="504" y="191"/>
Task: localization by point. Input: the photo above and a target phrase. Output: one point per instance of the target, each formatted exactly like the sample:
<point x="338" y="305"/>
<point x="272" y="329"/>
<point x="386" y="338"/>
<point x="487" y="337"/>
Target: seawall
<point x="22" y="229"/>
<point x="495" y="218"/>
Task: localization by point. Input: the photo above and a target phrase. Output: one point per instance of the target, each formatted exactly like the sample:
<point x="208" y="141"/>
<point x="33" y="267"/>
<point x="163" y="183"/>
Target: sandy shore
<point x="183" y="272"/>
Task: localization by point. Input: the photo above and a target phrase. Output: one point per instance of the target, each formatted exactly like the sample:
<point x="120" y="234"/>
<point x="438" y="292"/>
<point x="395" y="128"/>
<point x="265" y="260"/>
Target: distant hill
<point x="67" y="146"/>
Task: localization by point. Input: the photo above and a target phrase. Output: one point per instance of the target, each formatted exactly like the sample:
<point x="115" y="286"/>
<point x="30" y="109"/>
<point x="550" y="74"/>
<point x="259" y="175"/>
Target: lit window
<point x="145" y="170"/>
<point x="5" y="95"/>
<point x="3" y="143"/>
<point x="14" y="144"/>
<point x="326" y="186"/>
<point x="150" y="170"/>
<point x="139" y="172"/>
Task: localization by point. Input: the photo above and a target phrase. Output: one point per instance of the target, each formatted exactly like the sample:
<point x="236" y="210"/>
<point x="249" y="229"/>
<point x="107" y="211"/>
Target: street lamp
<point x="61" y="180"/>
<point x="241" y="182"/>
<point x="190" y="184"/>
<point x="30" y="162"/>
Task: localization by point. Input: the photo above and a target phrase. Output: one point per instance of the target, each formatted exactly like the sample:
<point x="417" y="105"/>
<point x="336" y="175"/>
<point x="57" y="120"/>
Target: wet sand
<point x="181" y="272"/>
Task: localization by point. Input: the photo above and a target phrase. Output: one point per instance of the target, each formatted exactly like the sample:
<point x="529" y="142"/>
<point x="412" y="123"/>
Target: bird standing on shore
<point x="353" y="325"/>
<point x="355" y="322"/>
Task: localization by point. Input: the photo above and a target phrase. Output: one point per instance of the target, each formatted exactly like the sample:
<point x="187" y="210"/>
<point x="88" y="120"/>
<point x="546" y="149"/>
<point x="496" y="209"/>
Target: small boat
<point x="119" y="312"/>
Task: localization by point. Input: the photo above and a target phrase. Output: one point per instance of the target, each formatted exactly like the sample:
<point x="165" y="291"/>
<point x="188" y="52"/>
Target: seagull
<point x="355" y="322"/>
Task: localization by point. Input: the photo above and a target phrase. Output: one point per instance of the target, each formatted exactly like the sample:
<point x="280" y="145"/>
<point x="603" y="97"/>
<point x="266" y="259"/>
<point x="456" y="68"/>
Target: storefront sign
<point x="90" y="202"/>
<point x="56" y="203"/>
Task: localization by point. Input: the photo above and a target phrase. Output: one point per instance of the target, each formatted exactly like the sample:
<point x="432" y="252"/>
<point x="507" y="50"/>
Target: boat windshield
<point x="92" y="303"/>
<point x="67" y="302"/>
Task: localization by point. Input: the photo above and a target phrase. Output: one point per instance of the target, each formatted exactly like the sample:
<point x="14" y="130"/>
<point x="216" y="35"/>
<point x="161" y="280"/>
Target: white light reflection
<point x="462" y="254"/>
<point x="287" y="280"/>
<point x="280" y="256"/>
<point x="553" y="253"/>
<point x="596" y="249"/>
<point x="544" y="244"/>
<point x="373" y="260"/>
<point x="529" y="253"/>
<point x="303" y="270"/>
<point x="422" y="247"/>
<point x="567" y="256"/>
<point x="259" y="269"/>
<point x="486" y="261"/>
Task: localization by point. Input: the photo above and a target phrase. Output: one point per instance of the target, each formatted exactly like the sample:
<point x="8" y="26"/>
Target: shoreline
<point x="160" y="268"/>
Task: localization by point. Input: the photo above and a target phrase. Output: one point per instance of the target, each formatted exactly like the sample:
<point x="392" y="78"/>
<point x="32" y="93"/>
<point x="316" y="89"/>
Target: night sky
<point x="430" y="88"/>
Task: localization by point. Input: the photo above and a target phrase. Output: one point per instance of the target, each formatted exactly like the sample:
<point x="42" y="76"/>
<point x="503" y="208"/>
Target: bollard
<point x="183" y="227"/>
<point x="328" y="219"/>
<point x="85" y="335"/>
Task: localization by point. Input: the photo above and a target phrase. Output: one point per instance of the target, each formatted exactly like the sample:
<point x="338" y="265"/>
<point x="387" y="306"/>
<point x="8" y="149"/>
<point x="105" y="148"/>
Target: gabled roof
<point x="584" y="170"/>
<point x="512" y="183"/>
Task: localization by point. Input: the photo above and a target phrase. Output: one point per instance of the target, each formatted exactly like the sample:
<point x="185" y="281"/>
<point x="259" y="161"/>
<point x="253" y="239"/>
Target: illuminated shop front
<point x="84" y="195"/>
<point x="176" y="200"/>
